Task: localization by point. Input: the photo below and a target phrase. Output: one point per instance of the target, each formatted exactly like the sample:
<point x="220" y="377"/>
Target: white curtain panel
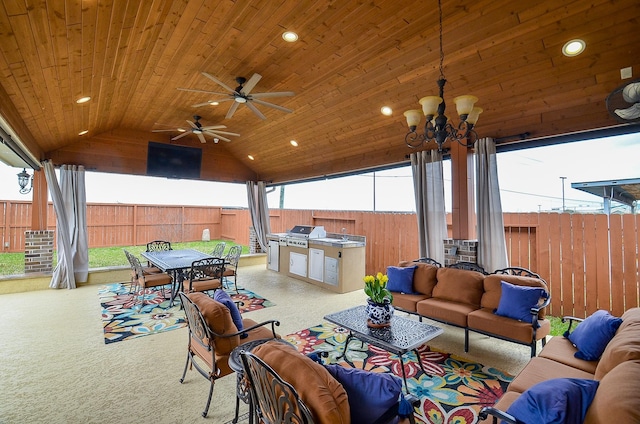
<point x="63" y="273"/>
<point x="74" y="194"/>
<point x="492" y="248"/>
<point x="259" y="210"/>
<point x="428" y="184"/>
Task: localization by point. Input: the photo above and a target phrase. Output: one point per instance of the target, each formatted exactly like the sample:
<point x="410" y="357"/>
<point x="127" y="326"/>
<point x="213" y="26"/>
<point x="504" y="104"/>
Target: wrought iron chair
<point x="213" y="336"/>
<point x="276" y="401"/>
<point x="144" y="281"/>
<point x="516" y="270"/>
<point x="231" y="265"/>
<point x="218" y="250"/>
<point x="469" y="266"/>
<point x="134" y="287"/>
<point x="158" y="245"/>
<point x="205" y="275"/>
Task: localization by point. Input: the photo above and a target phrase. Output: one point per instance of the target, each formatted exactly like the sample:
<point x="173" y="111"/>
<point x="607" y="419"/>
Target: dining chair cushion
<point x="324" y="395"/>
<point x="219" y="320"/>
<point x="224" y="298"/>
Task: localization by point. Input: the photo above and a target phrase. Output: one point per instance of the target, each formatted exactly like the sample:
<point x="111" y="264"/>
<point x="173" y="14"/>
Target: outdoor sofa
<point x="474" y="300"/>
<point x="600" y="353"/>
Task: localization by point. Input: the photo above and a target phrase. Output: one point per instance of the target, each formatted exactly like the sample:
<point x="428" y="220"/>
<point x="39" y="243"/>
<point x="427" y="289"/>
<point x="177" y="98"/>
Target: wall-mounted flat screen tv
<point x="172" y="161"/>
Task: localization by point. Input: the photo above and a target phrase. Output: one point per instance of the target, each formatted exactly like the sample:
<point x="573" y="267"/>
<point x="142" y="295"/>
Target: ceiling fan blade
<point x="232" y="110"/>
<point x="213" y="127"/>
<point x="184" y="134"/>
<point x="273" y="94"/>
<point x="201" y="137"/>
<point x="222" y="132"/>
<point x="208" y="103"/>
<point x="194" y="90"/>
<point x="261" y="102"/>
<point x="218" y="136"/>
<point x="193" y="125"/>
<point x="174" y="130"/>
<point x="255" y="110"/>
<point x="217" y="81"/>
<point x="248" y="86"/>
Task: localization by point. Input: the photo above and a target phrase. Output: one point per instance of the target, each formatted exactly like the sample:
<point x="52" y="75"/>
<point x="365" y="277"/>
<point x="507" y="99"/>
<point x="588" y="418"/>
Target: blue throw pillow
<point x="593" y="334"/>
<point x="370" y="394"/>
<point x="224" y="298"/>
<point x="516" y="301"/>
<point x="400" y="279"/>
<point x="555" y="401"/>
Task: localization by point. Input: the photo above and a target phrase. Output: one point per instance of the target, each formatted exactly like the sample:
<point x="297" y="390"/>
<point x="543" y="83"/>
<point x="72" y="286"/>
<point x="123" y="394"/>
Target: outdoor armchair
<point x="218" y="250"/>
<point x="231" y="265"/>
<point x="205" y="275"/>
<point x="213" y="336"/>
<point x="144" y="280"/>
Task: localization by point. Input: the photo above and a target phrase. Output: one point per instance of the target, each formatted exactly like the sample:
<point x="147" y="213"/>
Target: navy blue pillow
<point x="400" y="279"/>
<point x="555" y="401"/>
<point x="370" y="394"/>
<point x="516" y="301"/>
<point x="224" y="298"/>
<point x="593" y="334"/>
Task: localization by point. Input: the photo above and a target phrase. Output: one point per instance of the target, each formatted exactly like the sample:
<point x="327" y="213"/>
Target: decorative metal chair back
<point x="429" y="261"/>
<point x="196" y="323"/>
<point x="274" y="400"/>
<point x="516" y="270"/>
<point x="218" y="250"/>
<point x="231" y="264"/>
<point x="134" y="273"/>
<point x="469" y="266"/>
<point x="206" y="274"/>
<point x="158" y="245"/>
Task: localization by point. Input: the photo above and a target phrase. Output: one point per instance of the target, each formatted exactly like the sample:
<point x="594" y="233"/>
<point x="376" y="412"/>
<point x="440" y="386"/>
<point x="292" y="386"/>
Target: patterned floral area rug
<point x="454" y="393"/>
<point x="123" y="319"/>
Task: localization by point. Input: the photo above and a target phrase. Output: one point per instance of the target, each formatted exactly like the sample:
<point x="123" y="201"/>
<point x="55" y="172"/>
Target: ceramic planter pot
<point x="379" y="314"/>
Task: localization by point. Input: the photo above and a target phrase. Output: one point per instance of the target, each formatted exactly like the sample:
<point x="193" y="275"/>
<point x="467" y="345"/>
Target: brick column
<point x="460" y="251"/>
<point x="38" y="251"/>
<point x="254" y="245"/>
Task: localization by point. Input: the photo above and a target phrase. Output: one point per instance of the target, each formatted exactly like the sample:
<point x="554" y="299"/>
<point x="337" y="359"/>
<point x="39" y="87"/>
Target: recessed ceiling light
<point x="212" y="103"/>
<point x="573" y="47"/>
<point x="83" y="99"/>
<point x="83" y="132"/>
<point x="289" y="36"/>
<point x="386" y="110"/>
<point x="294" y="143"/>
<point x="250" y="157"/>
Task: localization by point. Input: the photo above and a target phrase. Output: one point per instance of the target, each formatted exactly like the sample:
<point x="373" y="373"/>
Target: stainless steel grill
<point x="299" y="235"/>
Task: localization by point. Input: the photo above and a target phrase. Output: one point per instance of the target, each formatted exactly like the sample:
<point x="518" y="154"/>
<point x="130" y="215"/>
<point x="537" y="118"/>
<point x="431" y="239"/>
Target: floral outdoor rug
<point x="454" y="393"/>
<point x="124" y="319"/>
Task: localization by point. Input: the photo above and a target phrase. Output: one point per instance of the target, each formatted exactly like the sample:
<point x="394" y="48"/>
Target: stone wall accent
<point x="38" y="251"/>
<point x="460" y="251"/>
<point x="254" y="245"/>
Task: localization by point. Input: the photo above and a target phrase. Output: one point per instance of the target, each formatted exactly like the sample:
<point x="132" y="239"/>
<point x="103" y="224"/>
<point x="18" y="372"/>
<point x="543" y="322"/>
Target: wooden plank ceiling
<point x="352" y="57"/>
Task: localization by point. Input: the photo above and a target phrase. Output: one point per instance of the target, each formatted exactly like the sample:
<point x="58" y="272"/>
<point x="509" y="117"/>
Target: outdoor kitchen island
<point x="330" y="260"/>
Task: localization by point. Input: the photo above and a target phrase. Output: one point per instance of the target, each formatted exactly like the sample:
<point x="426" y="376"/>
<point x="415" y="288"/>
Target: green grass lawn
<point x="13" y="263"/>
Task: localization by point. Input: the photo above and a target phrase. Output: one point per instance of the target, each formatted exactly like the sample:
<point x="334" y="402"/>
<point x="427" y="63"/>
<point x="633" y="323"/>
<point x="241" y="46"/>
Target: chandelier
<point x="437" y="126"/>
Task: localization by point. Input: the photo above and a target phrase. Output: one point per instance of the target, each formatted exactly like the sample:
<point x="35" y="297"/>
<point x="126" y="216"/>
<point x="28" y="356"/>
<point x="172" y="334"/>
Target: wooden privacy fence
<point x="590" y="261"/>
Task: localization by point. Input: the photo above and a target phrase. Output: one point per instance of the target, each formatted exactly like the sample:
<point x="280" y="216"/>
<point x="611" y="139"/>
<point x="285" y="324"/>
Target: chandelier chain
<point x="441" y="50"/>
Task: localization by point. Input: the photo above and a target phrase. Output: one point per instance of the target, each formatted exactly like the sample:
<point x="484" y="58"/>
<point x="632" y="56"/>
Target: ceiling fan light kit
<point x="437" y="126"/>
<point x="623" y="103"/>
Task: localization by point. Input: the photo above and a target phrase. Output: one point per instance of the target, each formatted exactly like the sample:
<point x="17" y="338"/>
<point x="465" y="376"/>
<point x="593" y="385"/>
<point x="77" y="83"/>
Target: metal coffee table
<point x="402" y="336"/>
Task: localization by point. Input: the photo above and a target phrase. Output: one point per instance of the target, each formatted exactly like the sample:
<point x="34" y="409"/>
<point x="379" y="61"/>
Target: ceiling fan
<point x="200" y="131"/>
<point x="623" y="103"/>
<point x="242" y="95"/>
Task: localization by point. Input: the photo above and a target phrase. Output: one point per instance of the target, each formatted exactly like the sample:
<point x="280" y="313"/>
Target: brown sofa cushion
<point x="219" y="320"/>
<point x="445" y="310"/>
<point x="485" y="320"/>
<point x="424" y="276"/>
<point x="325" y="397"/>
<point x="542" y="369"/>
<point x="459" y="285"/>
<point x="616" y="400"/>
<point x="625" y="345"/>
<point x="560" y="349"/>
<point x="407" y="302"/>
<point x="493" y="288"/>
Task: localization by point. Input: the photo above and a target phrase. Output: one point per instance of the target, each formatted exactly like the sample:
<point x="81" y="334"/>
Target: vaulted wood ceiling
<point x="352" y="58"/>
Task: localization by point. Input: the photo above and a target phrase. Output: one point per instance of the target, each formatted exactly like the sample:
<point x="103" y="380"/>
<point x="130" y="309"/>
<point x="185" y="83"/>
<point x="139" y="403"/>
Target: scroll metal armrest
<point x="571" y="321"/>
<point x="274" y="323"/>
<point x="497" y="414"/>
<point x="536" y="310"/>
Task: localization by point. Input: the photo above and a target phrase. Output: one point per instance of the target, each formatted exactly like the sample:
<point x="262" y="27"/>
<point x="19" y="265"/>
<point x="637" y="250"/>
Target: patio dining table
<point x="177" y="263"/>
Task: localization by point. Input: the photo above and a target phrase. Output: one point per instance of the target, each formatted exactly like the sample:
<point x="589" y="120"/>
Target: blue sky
<point x="529" y="181"/>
